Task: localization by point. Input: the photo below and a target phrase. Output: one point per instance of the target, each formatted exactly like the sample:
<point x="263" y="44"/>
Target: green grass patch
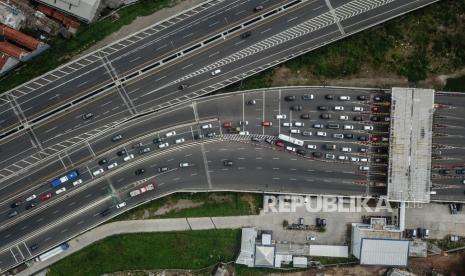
<point x="455" y="84"/>
<point x="61" y="50"/>
<point x="446" y="244"/>
<point x="177" y="250"/>
<point x="207" y="205"/>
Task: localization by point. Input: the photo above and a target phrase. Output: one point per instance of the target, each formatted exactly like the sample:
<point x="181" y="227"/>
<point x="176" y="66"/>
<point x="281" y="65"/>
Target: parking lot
<point x="448" y="155"/>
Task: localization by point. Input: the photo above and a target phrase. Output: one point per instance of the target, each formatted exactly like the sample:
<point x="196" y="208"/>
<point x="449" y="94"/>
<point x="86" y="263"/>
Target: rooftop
<point x="409" y="175"/>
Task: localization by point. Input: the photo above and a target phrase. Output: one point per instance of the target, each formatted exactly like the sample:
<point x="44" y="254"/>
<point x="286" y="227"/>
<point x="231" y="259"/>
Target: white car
<point x="207" y="126"/>
<point x="320" y="133"/>
<point x="354" y="159"/>
<point x="364" y="159"/>
<point x="286" y="124"/>
<point x="344" y="98"/>
<point x="31" y="197"/>
<point x="290" y="148"/>
<point x="163" y="145"/>
<point x="179" y="141"/>
<point x="216" y="72"/>
<point x="344" y="117"/>
<point x="281" y="116"/>
<point x="183" y="164"/>
<point x="121" y="205"/>
<point x="128" y="157"/>
<point x="243" y="133"/>
<point x="358" y="108"/>
<point x="77" y="182"/>
<point x="97" y="172"/>
<point x="367" y="127"/>
<point x="295" y="131"/>
<point x="348" y="127"/>
<point x="342" y="157"/>
<point x="330" y="156"/>
<point x="339" y="108"/>
<point x="311" y="146"/>
<point x="364" y="168"/>
<point x="59" y="191"/>
<point x="171" y="133"/>
<point x="346" y="149"/>
<point x="112" y="165"/>
<point x="298" y="124"/>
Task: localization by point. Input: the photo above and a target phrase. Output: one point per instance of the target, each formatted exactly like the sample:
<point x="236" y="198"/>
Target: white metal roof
<point x="384" y="252"/>
<point x="329" y="250"/>
<point x="266" y="239"/>
<point x="246" y="256"/>
<point x="299" y="262"/>
<point x="83" y="9"/>
<point x="264" y="255"/>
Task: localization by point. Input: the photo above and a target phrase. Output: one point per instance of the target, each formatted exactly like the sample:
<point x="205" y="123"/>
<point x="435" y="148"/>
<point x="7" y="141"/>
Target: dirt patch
<point x="368" y="77"/>
<point x="176" y="206"/>
<point x="453" y="264"/>
<point x="217" y="198"/>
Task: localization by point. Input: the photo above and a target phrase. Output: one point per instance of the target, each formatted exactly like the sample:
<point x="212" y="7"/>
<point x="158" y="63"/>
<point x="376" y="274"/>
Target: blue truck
<point x="71" y="175"/>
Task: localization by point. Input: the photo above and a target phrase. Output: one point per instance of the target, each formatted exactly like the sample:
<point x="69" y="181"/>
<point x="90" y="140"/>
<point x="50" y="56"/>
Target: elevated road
<point x="125" y="89"/>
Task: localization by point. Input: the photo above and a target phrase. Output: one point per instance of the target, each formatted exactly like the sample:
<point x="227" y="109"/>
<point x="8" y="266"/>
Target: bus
<point x="51" y="253"/>
<point x="291" y="140"/>
<point x="71" y="175"/>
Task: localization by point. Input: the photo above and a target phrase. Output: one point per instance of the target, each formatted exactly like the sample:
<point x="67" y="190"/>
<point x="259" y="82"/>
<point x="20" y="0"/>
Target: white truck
<point x="141" y="190"/>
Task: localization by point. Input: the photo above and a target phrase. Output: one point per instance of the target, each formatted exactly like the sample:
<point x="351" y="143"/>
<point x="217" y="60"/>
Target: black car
<point x="138" y="145"/>
<point x="374" y="118"/>
<point x="307" y="97"/>
<point x="378" y="98"/>
<point x="379" y="160"/>
<point x="329" y="147"/>
<point x="296" y="108"/>
<point x="163" y="169"/>
<point x="322" y="107"/>
<point x="460" y="171"/>
<point x="211" y="134"/>
<point x="199" y="136"/>
<point x="445" y="171"/>
<point x="258" y="8"/>
<point x="157" y="140"/>
<point x="105" y="212"/>
<point x="144" y="150"/>
<point x="251" y="102"/>
<point x="255" y="139"/>
<point x="182" y="86"/>
<point x="289" y="98"/>
<point x="329" y="97"/>
<point x="359" y="118"/>
<point x="380" y="150"/>
<point x="31" y="205"/>
<point x="139" y="171"/>
<point x="317" y="154"/>
<point x="16" y="203"/>
<point x="228" y="163"/>
<point x="34" y="246"/>
<point x="301" y="151"/>
<point x="103" y="162"/>
<point x="117" y="138"/>
<point x="121" y="152"/>
<point x="325" y="116"/>
<point x="87" y="116"/>
<point x="246" y="34"/>
<point x="348" y="136"/>
<point x="305" y="116"/>
<point x="362" y="98"/>
<point x="363" y="138"/>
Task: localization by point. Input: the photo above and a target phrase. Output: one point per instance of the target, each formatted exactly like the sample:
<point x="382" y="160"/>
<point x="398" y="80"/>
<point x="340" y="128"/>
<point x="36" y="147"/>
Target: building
<point x="264" y="256"/>
<point x="85" y="10"/>
<point x="247" y="253"/>
<point x="379" y="244"/>
<point x="409" y="171"/>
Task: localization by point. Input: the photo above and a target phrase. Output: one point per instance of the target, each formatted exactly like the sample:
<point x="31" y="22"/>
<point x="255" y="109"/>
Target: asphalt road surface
<point x="280" y="32"/>
<point x="258" y="166"/>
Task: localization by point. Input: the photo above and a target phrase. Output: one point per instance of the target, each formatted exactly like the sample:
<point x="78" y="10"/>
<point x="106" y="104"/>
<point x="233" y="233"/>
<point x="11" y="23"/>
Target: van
<point x="332" y="126"/>
<point x="320" y="133"/>
<point x="105" y="212"/>
<point x="338" y="136"/>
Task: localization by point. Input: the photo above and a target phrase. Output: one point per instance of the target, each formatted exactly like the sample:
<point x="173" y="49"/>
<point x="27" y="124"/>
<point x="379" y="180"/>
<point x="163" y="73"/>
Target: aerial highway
<point x="167" y="64"/>
<point x="192" y="151"/>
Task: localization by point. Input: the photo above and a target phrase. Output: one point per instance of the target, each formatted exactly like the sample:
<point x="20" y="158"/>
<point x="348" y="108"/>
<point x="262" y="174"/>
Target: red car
<point x="280" y="144"/>
<point x="266" y="123"/>
<point x="46" y="196"/>
<point x="375" y="109"/>
<point x="227" y="124"/>
<point x="375" y="138"/>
